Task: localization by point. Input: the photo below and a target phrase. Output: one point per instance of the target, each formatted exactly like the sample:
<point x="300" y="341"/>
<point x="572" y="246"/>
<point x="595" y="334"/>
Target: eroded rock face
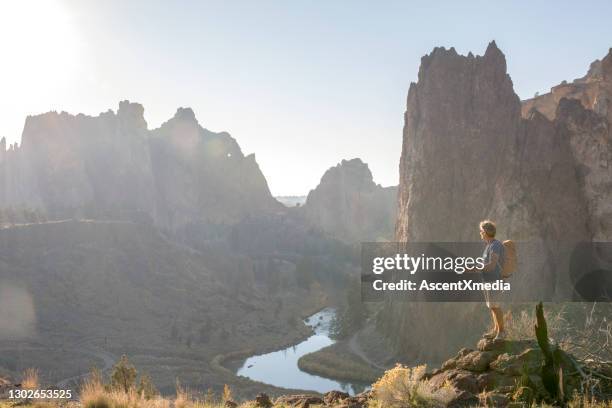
<point x="111" y="166"/>
<point x="468" y="155"/>
<point x="470" y="152"/>
<point x="583" y="109"/>
<point x="349" y="205"/>
<point x="204" y="176"/>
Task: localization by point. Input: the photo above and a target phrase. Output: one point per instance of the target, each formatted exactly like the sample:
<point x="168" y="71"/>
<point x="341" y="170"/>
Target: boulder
<point x="463" y="399"/>
<point x="506" y="346"/>
<point x="300" y="401"/>
<point x="459" y="379"/>
<point x="333" y="397"/>
<point x="477" y="361"/>
<point x="528" y="362"/>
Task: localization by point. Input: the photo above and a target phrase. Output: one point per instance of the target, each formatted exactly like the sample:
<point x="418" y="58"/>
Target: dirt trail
<point x="107" y="358"/>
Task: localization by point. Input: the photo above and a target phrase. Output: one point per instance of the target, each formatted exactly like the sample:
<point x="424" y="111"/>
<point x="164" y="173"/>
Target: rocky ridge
<point x="113" y="167"/>
<point x="583" y="109"/>
<point x="348" y="204"/>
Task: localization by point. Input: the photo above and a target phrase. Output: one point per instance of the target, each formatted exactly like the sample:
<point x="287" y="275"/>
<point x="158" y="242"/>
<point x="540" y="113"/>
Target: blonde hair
<point x="488" y="227"/>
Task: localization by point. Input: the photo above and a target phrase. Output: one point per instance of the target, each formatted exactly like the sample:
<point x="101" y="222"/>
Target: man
<point x="491" y="271"/>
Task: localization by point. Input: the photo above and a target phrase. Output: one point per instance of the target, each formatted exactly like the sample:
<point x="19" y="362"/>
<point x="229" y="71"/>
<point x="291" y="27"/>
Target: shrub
<point x="124" y="375"/>
<point x="93" y="394"/>
<point x="403" y="387"/>
<point x="146" y="388"/>
<point x="29" y="380"/>
<point x="227" y="393"/>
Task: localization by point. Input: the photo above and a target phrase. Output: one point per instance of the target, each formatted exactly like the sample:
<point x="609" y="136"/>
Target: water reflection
<point x="280" y="368"/>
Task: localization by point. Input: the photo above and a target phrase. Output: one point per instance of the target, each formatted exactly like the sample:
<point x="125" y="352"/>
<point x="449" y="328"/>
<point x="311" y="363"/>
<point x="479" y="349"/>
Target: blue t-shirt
<point x="494" y="247"/>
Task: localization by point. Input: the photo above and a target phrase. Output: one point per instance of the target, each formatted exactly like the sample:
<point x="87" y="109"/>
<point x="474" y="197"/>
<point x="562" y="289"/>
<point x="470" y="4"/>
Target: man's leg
<point x="494" y="318"/>
<point x="499" y="319"/>
<point x="493" y="332"/>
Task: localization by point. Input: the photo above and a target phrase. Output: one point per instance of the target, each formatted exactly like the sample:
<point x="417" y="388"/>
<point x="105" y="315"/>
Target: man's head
<point x="487" y="230"/>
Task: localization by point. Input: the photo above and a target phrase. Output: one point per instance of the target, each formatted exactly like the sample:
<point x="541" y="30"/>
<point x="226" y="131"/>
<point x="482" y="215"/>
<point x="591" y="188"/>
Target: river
<point x="280" y="367"/>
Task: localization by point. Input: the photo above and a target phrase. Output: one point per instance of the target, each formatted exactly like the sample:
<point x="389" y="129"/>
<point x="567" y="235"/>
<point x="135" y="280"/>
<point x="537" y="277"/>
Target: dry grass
<point x="519" y="325"/>
<point x="29" y="379"/>
<point x="585" y="402"/>
<point x="95" y="395"/>
<point x="403" y="387"/>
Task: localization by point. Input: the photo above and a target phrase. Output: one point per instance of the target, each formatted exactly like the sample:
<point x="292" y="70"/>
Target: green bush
<point x="124" y="375"/>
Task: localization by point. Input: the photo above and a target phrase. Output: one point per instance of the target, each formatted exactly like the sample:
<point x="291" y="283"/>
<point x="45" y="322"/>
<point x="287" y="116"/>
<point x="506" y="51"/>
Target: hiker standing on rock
<point x="492" y="271"/>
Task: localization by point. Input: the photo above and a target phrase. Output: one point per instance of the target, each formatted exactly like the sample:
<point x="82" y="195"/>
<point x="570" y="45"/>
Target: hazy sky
<point x="302" y="84"/>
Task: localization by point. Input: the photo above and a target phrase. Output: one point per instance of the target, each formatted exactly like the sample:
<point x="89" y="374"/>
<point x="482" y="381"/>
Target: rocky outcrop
<point x="5" y="387"/>
<point x="335" y="399"/>
<point x="593" y="91"/>
<point x="113" y="167"/>
<point x="501" y="373"/>
<point x="349" y="205"/>
<point x="583" y="111"/>
<point x="471" y="151"/>
<point x="468" y="154"/>
<point x="202" y="175"/>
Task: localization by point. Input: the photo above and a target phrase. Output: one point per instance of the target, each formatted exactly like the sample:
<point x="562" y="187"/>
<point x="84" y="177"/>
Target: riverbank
<point x="338" y="363"/>
<point x="280" y="368"/>
<point x="225" y="365"/>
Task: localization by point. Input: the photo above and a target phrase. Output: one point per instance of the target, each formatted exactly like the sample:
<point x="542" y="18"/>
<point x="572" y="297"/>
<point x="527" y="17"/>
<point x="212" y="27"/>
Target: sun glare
<point x="38" y="50"/>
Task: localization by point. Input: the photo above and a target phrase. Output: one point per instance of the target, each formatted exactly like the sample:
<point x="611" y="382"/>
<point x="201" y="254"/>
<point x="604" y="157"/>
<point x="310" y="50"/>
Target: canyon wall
<point x="348" y="204"/>
<point x="471" y="150"/>
<point x="113" y="167"/>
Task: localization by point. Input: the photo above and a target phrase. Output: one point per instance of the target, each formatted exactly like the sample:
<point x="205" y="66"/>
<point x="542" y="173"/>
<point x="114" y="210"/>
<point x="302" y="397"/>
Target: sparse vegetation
<point x="403" y="387"/>
<point x="29" y="380"/>
<point x="146" y="388"/>
<point x="124" y="375"/>
<point x="582" y="329"/>
<point x="227" y="393"/>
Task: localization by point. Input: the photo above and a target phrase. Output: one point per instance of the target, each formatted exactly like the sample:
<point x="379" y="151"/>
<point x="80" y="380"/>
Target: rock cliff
<point x="472" y="151"/>
<point x="583" y="108"/>
<point x="349" y="205"/>
<point x="468" y="154"/>
<point x="113" y="167"/>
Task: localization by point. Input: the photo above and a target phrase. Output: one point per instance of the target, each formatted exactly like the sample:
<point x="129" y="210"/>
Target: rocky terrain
<point x="349" y="205"/>
<point x="497" y="373"/>
<point x="113" y="167"/>
<point x="583" y="110"/>
<point x="471" y="151"/>
<point x="78" y="293"/>
<point x="164" y="244"/>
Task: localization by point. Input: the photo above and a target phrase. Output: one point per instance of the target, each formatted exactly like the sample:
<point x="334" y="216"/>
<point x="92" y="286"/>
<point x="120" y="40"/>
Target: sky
<point x="302" y="84"/>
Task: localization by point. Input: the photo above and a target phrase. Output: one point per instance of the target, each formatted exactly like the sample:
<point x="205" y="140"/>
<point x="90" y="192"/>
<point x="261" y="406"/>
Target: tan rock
<point x="469" y="154"/>
<point x="349" y="205"/>
<point x="529" y="361"/>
